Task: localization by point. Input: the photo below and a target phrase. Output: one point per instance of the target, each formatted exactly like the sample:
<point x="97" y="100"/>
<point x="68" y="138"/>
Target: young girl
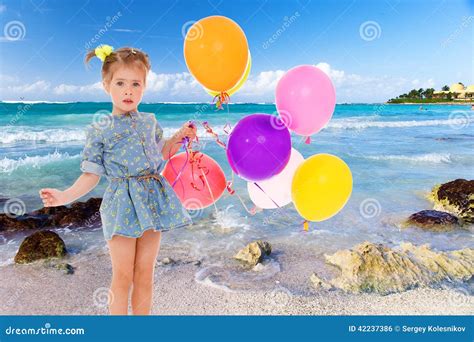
<point x="128" y="148"/>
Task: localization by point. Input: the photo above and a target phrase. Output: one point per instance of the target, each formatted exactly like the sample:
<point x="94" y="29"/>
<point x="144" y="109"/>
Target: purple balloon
<point x="259" y="147"/>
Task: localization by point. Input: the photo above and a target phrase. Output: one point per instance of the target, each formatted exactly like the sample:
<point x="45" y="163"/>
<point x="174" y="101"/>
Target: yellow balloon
<point x="321" y="187"/>
<point x="239" y="84"/>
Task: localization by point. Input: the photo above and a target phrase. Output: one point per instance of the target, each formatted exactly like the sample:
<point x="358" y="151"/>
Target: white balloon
<point x="277" y="188"/>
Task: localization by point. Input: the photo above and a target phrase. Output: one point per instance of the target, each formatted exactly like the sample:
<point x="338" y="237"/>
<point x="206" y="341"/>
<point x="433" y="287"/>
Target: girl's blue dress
<point x="122" y="147"/>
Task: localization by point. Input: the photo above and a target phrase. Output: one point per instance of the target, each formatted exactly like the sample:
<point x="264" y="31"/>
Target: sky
<point x="372" y="50"/>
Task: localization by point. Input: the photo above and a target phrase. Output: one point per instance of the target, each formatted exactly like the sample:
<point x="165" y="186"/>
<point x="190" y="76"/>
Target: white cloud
<point x="30" y="88"/>
<point x="261" y="87"/>
<point x="337" y="76"/>
<point x="126" y="30"/>
<point x="64" y="89"/>
<point x="182" y="87"/>
<point x="430" y="83"/>
<point x="174" y="83"/>
<point x="359" y="88"/>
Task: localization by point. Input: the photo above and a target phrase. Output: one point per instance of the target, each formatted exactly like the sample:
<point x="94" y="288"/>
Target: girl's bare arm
<point x="83" y="185"/>
<point x="172" y="145"/>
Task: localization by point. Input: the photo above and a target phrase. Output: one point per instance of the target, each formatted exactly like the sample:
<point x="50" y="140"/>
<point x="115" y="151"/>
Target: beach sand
<point x="39" y="290"/>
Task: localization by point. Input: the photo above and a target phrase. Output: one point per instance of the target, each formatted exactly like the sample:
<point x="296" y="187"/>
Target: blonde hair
<point x="125" y="56"/>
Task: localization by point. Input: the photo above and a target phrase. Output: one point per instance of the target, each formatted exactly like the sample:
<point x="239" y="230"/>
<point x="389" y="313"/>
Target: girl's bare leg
<point x="122" y="252"/>
<point x="148" y="246"/>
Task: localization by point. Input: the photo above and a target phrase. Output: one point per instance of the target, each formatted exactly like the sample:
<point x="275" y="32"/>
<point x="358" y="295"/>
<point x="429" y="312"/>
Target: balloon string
<point x="186" y="144"/>
<point x="258" y="186"/>
<point x="227" y="122"/>
<point x="183" y="142"/>
<point x="196" y="157"/>
<point x="209" y="130"/>
<point x="305" y="225"/>
<point x="231" y="191"/>
<point x="210" y="192"/>
<point x="271" y="199"/>
<point x="221" y="98"/>
<point x="229" y="128"/>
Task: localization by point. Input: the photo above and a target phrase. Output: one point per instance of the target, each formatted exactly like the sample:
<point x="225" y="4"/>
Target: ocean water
<point x="397" y="153"/>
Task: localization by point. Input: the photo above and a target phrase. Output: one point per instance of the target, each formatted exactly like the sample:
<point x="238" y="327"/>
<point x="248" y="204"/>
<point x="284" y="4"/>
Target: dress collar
<point x="132" y="114"/>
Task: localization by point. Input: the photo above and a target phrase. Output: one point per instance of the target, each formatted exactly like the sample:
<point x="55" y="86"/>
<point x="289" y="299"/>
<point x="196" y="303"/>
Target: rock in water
<point x="40" y="245"/>
<point x="375" y="268"/>
<point x="79" y="214"/>
<point x="372" y="267"/>
<point x="254" y="252"/>
<point x="433" y="219"/>
<point x="456" y="197"/>
<point x="455" y="265"/>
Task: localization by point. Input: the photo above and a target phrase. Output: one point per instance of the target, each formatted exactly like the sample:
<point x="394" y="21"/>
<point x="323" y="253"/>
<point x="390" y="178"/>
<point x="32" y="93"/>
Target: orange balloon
<point x="216" y="52"/>
<point x="210" y="186"/>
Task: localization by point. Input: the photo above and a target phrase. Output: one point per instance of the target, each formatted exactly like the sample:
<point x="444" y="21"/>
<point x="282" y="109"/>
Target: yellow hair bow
<point x="103" y="51"/>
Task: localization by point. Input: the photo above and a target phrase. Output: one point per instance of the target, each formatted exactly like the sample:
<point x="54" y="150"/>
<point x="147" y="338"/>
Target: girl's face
<point x="126" y="88"/>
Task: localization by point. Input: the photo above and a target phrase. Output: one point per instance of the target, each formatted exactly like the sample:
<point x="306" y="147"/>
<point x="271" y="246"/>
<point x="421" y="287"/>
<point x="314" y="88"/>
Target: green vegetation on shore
<point x="421" y="96"/>
<point x="415" y="100"/>
<point x="457" y="93"/>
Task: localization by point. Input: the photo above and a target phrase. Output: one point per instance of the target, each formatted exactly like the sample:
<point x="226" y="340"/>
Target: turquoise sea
<point x="397" y="153"/>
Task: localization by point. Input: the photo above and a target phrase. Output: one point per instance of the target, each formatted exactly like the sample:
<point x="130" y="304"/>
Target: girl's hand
<point x="188" y="130"/>
<point x="52" y="197"/>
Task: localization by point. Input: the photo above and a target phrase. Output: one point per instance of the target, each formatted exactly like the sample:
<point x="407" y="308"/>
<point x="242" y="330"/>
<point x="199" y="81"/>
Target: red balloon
<point x="197" y="177"/>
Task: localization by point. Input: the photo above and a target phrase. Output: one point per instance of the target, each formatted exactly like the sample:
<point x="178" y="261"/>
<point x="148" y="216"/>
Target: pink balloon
<point x="191" y="198"/>
<point x="305" y="99"/>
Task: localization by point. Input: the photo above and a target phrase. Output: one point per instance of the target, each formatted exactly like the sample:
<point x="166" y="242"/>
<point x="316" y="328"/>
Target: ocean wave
<point x="9" y="136"/>
<point x="435" y="158"/>
<point x="26" y="133"/>
<point x="354" y="123"/>
<point x="48" y="135"/>
<point x="9" y="165"/>
<point x="37" y="102"/>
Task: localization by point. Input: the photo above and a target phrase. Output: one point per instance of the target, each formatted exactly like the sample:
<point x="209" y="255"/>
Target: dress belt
<point x="156" y="176"/>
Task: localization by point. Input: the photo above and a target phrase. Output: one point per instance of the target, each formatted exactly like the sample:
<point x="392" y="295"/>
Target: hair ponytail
<point x="125" y="56"/>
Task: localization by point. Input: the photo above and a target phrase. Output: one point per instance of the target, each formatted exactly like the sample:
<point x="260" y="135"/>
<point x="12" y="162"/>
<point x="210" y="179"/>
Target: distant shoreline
<point x="235" y="103"/>
<point x="432" y="103"/>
